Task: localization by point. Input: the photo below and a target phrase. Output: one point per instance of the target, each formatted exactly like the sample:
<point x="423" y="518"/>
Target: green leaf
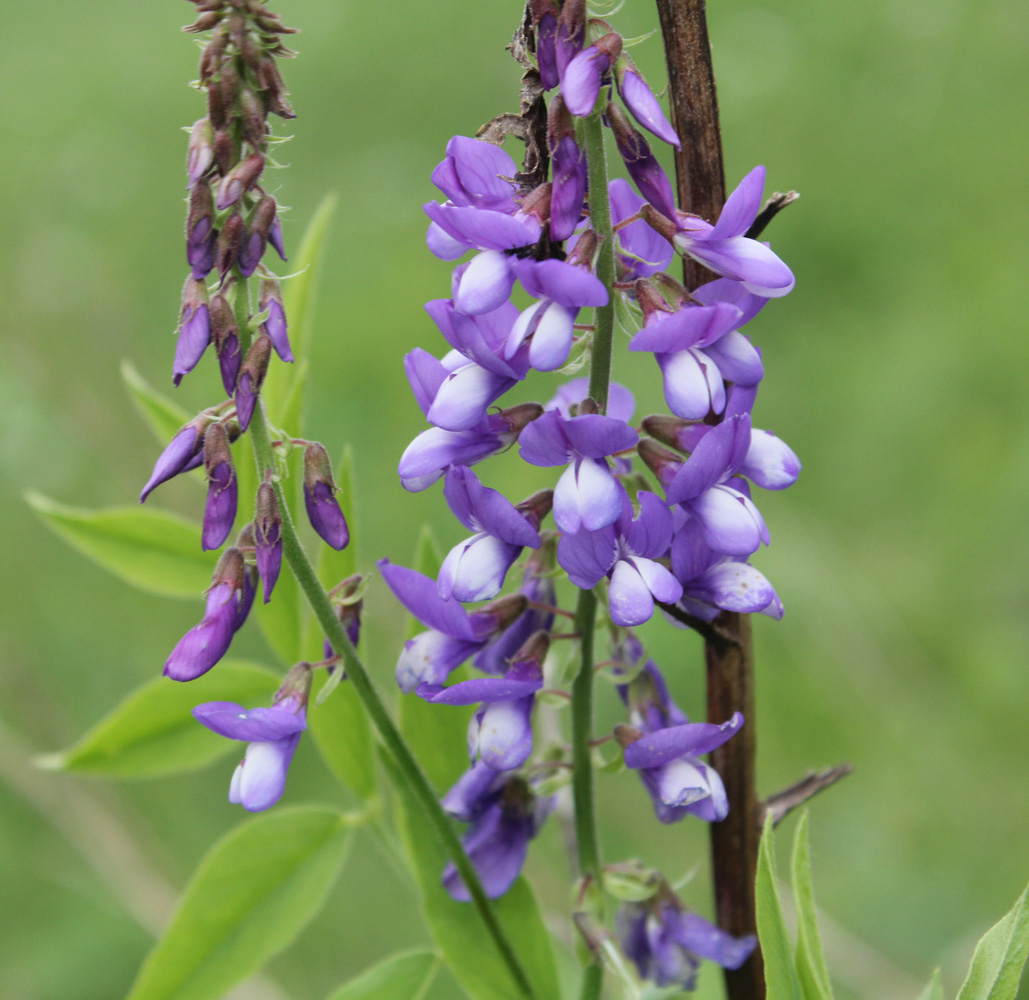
<point x="149" y="548"/>
<point x="456" y="928"/>
<point x="162" y="416"/>
<point x="934" y="991"/>
<point x="252" y="894"/>
<point x="811" y="968"/>
<point x="399" y="977"/>
<point x="999" y="957"/>
<point x="152" y="732"/>
<point x="780" y="972"/>
<point x="343" y="735"/>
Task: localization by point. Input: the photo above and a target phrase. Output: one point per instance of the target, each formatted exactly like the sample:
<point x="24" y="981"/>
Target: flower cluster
<point x="686" y="551"/>
<point x="231" y="221"/>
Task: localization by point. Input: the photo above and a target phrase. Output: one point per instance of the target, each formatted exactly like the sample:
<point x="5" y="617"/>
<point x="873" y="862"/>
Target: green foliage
<point x="149" y="548"/>
<point x="934" y="991"/>
<point x="780" y="968"/>
<point x="458" y="930"/>
<point x="152" y="732"/>
<point x="400" y="977"/>
<point x="811" y="968"/>
<point x="162" y="416"/>
<point x="252" y="894"/>
<point x="343" y="735"/>
<point x="999" y="957"/>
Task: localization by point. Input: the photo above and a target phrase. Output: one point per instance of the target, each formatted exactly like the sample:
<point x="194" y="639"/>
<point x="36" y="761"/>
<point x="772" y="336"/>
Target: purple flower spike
<point x="194" y="329"/>
<point x="273" y="734"/>
<point x="222" y="488"/>
<point x="505" y="815"/>
<point x="184" y="452"/>
<point x="323" y="508"/>
<point x="205" y="644"/>
<point x="666" y="943"/>
<point x="727" y="251"/>
<point x="640" y="100"/>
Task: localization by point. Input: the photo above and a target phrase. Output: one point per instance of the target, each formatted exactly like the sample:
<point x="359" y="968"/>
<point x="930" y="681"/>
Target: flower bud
<point x="224" y="151"/>
<point x="216" y="110"/>
<point x="275" y="238"/>
<point x="348" y="606"/>
<point x="627" y="735"/>
<point x="253" y="246"/>
<point x="323" y="509"/>
<point x="268" y="537"/>
<point x="520" y="416"/>
<point x="211" y="58"/>
<point x="205" y="22"/>
<point x="669" y="430"/>
<point x="251" y="378"/>
<point x="184" y="452"/>
<point x="275" y="324"/>
<point x="201" y="236"/>
<point x="585" y="249"/>
<point x="536" y="507"/>
<point x="222" y="488"/>
<point x="661" y="224"/>
<point x="201" y="150"/>
<point x="296" y="686"/>
<point x="230" y="241"/>
<point x="255" y="128"/>
<point x="194" y="329"/>
<point x="640" y="100"/>
<point x="240" y="179"/>
<point x="505" y="609"/>
<point x="225" y="335"/>
<point x="643" y="167"/>
<point x="662" y="462"/>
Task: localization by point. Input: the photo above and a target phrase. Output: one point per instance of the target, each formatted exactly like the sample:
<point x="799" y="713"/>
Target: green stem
<point x="418" y="784"/>
<point x="586" y="610"/>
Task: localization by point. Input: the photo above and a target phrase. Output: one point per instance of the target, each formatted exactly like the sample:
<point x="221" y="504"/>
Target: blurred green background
<point x="896" y="370"/>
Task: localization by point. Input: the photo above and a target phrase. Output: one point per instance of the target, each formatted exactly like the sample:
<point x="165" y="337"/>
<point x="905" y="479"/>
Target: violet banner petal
<point x="255" y="725"/>
<point x="710" y="942"/>
<point x="417" y="593"/>
<point x="730" y="292"/>
<point x="544" y="441"/>
<point x="474" y="792"/>
<point x="646" y="108"/>
<point x="586" y="556"/>
<point x="711" y="461"/>
<point x="486" y="690"/>
<point x="741" y="207"/>
<point x="692" y="739"/>
<point x="644" y="251"/>
<point x="430" y="657"/>
<point x="558" y="280"/>
<point x="597" y="436"/>
<point x="691" y="554"/>
<point x="650" y="533"/>
<point x="737" y="359"/>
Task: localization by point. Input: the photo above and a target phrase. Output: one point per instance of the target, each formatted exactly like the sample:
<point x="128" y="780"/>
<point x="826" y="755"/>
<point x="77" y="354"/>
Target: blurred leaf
<point x="253" y="893"/>
<point x="399" y="977"/>
<point x="934" y="991"/>
<point x="456" y="928"/>
<point x="162" y="416"/>
<point x="341" y="730"/>
<point x="999" y="957"/>
<point x="811" y="967"/>
<point x="780" y="972"/>
<point x="152" y="732"/>
<point x="437" y="734"/>
<point x="147" y="547"/>
<point x="283" y="386"/>
<point x="335" y="566"/>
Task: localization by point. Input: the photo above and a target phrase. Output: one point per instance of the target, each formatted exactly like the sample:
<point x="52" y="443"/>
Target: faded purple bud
<point x="268" y="537"/>
<point x="240" y="179"/>
<point x="184" y="452"/>
<point x="275" y="324"/>
<point x="230" y="242"/>
<point x="201" y="150"/>
<point x="252" y="112"/>
<point x="546" y="14"/>
<point x="225" y="335"/>
<point x="251" y="378"/>
<point x="643" y="167"/>
<point x="640" y="100"/>
<point x="323" y="508"/>
<point x="222" y="487"/>
<point x="252" y="250"/>
<point x="194" y="329"/>
<point x="205" y="644"/>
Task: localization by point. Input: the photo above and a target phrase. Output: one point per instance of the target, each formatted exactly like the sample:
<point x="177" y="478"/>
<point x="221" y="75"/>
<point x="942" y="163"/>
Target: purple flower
<point x="454" y="634"/>
<point x="206" y="643"/>
<point x="185" y="451"/>
<point x="323" y="510"/>
<point x="275" y="238"/>
<point x="671" y="770"/>
<point x="275" y="324"/>
<point x="727" y="251"/>
<point x="251" y="378"/>
<point x="640" y="100"/>
<point x="584" y="75"/>
<point x="454" y="393"/>
<point x="477" y="174"/>
<point x="642" y="250"/>
<point x="268" y="537"/>
<point x="586" y="495"/>
<point x="627" y="552"/>
<point x="474" y="570"/>
<point x="225" y="335"/>
<point x="666" y="943"/>
<point x="222" y="488"/>
<point x="570" y="175"/>
<point x="504" y="815"/>
<point x="201" y="236"/>
<point x="239" y="180"/>
<point x="273" y="734"/>
<point x="546" y="49"/>
<point x="194" y="329"/>
<point x="646" y="172"/>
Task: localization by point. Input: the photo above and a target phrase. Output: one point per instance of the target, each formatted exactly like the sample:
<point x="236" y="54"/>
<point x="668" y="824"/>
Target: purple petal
<point x="475" y="569"/>
<point x="644" y="251"/>
<point x="770" y="462"/>
<point x="425" y="374"/>
<point x="597" y="436"/>
<point x="569" y="190"/>
<point x="737" y="359"/>
<point x="220" y="511"/>
<point x="430" y="657"/>
<point x="474" y="173"/>
<point x="263" y="774"/>
<point x="650" y="533"/>
<point x="732" y="293"/>
<point x="205" y="644"/>
<point x="659" y="580"/>
<point x="714" y="459"/>
<point x="629" y="598"/>
<point x="501" y="732"/>
<point x="486" y="689"/>
<point x="246" y="400"/>
<point x="269" y="563"/>
<point x="736" y="586"/>
<point x="741" y="207"/>
<point x="497" y="846"/>
<point x="487" y="230"/>
<point x="688" y="326"/>
<point x="732" y="524"/>
<point x="323" y="511"/>
<point x="693" y="384"/>
<point x="275" y="325"/>
<point x="254" y="725"/>
<point x="442" y="245"/>
<point x="480" y="508"/>
<point x="558" y="280"/>
<point x="464" y="397"/>
<point x="645" y="107"/>
<point x="433" y="450"/>
<point x="194" y="336"/>
<point x="690" y="740"/>
<point x="742" y="259"/>
<point x="544" y="441"/>
<point x="580" y="81"/>
<point x="418" y="594"/>
<point x="587" y="496"/>
<point x="708" y="941"/>
<point x="587" y="555"/>
<point x="485" y="284"/>
<point x="180" y="455"/>
<point x="691" y="554"/>
<point x="475" y="791"/>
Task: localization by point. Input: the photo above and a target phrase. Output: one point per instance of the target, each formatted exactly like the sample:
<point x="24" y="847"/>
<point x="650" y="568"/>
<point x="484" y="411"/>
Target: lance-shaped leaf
<point x="400" y="977"/>
<point x="780" y="970"/>
<point x="252" y="894"/>
<point x="152" y="732"/>
<point x="151" y="549"/>
<point x="999" y="957"/>
<point x="458" y="930"/>
<point x="934" y="991"/>
<point x="164" y="417"/>
<point x="811" y="968"/>
<point x="340" y="729"/>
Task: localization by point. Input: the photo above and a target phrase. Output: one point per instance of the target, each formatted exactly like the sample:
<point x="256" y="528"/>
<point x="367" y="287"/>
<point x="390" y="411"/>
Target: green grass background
<point x="897" y="370"/>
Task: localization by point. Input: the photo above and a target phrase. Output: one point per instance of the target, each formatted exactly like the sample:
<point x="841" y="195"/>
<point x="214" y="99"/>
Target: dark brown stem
<point x="781" y="804"/>
<point x="700" y="182"/>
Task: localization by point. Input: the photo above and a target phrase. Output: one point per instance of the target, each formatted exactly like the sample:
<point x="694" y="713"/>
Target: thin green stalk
<point x="586" y="610"/>
<point x="357" y="673"/>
